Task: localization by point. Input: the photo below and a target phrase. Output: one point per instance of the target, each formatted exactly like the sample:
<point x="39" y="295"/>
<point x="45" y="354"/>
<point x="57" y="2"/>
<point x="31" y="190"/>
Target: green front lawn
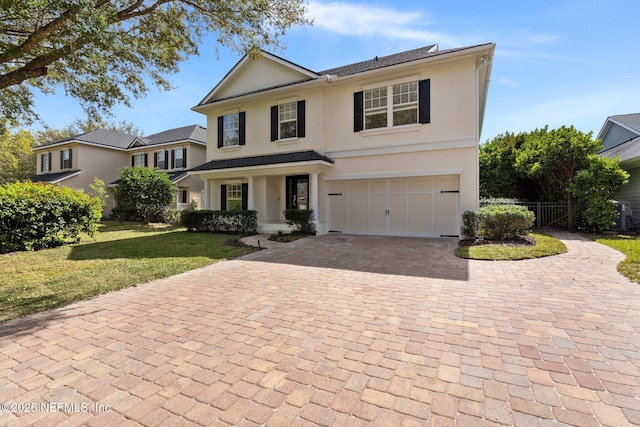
<point x="122" y="255"/>
<point x="628" y="245"/>
<point x="545" y="246"/>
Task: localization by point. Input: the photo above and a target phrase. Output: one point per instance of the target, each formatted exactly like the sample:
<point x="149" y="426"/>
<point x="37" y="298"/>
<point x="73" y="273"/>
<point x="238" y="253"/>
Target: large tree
<point x="102" y="52"/>
<point x="17" y="160"/>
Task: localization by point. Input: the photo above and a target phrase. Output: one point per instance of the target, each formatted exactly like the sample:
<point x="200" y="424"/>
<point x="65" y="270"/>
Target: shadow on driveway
<point x="403" y="256"/>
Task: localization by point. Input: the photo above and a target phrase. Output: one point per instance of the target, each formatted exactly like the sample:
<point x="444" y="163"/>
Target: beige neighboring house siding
<point x="105" y="162"/>
<point x="427" y="173"/>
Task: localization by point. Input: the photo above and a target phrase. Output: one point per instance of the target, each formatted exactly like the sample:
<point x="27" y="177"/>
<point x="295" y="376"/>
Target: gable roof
<point x="122" y="141"/>
<point x="346" y="70"/>
<point x="271" y="159"/>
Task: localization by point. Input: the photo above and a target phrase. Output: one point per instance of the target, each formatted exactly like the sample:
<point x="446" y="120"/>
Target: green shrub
<point x="205" y="220"/>
<point x="170" y="216"/>
<point x="36" y="216"/>
<point x="504" y="221"/>
<point x="301" y="220"/>
<point x="144" y="190"/>
<point x="469" y="228"/>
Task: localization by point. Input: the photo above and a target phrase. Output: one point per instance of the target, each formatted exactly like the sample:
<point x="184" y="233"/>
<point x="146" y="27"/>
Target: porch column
<point x="313" y="195"/>
<point x="205" y="195"/>
<point x="250" y="201"/>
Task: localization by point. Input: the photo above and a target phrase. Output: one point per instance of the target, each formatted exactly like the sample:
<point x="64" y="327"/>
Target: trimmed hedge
<point x="300" y="219"/>
<point x="497" y="222"/>
<point x="36" y="216"/>
<point x="205" y="220"/>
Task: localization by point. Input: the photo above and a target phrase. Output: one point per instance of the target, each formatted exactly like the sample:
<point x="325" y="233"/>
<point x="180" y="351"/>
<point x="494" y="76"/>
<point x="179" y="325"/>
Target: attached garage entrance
<point x="417" y="206"/>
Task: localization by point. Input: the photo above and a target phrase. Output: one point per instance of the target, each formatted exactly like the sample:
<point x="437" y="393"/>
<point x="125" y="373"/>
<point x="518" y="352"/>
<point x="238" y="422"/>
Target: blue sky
<point x="561" y="62"/>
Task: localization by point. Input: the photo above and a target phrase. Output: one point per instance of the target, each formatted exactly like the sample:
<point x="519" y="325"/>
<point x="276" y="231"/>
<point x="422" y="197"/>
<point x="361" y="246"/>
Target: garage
<point x="415" y="206"/>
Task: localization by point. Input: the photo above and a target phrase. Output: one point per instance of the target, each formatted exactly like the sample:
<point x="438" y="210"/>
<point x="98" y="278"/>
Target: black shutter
<point x="274" y="123"/>
<point x="133" y="161"/>
<point x="223" y="197"/>
<point x="155" y="159"/>
<point x="220" y="131"/>
<point x="146" y="160"/>
<point x="166" y="160"/>
<point x="173" y="158"/>
<point x="70" y="158"/>
<point x="241" y="129"/>
<point x="358" y="111"/>
<point x="301" y="119"/>
<point x="424" y="104"/>
<point x="245" y="196"/>
<point x="184" y="158"/>
<point x="42" y="162"/>
<point x="50" y="164"/>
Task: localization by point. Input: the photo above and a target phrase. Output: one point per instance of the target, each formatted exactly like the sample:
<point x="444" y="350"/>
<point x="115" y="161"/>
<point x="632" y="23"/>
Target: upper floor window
<point x="392" y="105"/>
<point x="66" y="159"/>
<point x="231" y="130"/>
<point x="45" y="162"/>
<point x="288" y="120"/>
<point x="178" y="158"/>
<point x="160" y="160"/>
<point x="139" y="160"/>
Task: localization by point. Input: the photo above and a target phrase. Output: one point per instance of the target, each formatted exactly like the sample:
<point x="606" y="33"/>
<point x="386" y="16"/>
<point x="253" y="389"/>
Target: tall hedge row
<point x="36" y="215"/>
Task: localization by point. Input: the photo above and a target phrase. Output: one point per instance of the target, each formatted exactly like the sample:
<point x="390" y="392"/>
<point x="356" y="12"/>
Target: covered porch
<point x="267" y="184"/>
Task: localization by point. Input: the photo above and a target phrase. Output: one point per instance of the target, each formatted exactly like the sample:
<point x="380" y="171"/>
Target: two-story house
<point x="75" y="162"/>
<point x="387" y="146"/>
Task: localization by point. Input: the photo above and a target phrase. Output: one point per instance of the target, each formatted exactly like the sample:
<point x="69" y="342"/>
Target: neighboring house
<point x="75" y="162"/>
<point x="387" y="146"/>
<point x="620" y="137"/>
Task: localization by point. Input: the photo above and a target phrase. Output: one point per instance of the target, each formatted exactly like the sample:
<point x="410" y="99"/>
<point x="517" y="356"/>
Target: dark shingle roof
<point x="271" y="159"/>
<point x="52" y="177"/>
<point x="384" y="61"/>
<point x="117" y="139"/>
<point x="626" y="151"/>
<point x="193" y="132"/>
<point x="173" y="177"/>
<point x="630" y="120"/>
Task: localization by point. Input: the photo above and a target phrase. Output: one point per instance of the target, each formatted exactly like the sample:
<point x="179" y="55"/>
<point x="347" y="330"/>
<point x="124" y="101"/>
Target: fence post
<point x="538" y="214"/>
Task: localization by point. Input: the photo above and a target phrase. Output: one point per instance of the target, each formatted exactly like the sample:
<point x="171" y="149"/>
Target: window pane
<point x="374" y="121"/>
<point x="405" y="117"/>
<point x="288" y="119"/>
<point x="231" y="130"/>
<point x="405" y="103"/>
<point x="234" y="197"/>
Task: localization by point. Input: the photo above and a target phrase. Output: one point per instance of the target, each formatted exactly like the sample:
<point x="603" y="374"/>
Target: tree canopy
<point x="553" y="165"/>
<point x="17" y="162"/>
<point x="104" y="52"/>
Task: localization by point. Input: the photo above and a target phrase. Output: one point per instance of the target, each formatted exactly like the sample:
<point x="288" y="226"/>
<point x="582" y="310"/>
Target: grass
<point x="122" y="255"/>
<point x="628" y="245"/>
<point x="545" y="246"/>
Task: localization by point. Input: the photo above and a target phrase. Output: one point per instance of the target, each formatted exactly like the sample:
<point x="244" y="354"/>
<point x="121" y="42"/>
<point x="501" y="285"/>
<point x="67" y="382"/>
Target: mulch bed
<point x="514" y="241"/>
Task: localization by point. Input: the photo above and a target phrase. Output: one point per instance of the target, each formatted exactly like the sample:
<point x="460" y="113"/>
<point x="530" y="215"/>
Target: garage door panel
<point x="416" y="206"/>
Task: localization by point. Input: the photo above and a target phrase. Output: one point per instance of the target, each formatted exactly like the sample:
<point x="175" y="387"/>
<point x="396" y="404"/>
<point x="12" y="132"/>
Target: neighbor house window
<point x="234" y="197"/>
<point x="288" y="120"/>
<point x="160" y="159"/>
<point x="178" y="158"/>
<point x="45" y="162"/>
<point x="392" y="105"/>
<point x="139" y="160"/>
<point x="65" y="159"/>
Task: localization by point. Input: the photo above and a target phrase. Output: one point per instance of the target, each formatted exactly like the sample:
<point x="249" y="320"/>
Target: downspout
<point x="484" y="61"/>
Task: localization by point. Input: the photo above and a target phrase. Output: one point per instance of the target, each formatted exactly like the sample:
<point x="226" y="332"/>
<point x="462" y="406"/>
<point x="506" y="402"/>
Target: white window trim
<point x="290" y="138"/>
<point x="390" y="107"/>
<point x="137" y="156"/>
<point x="224" y="131"/>
<point x="175" y="158"/>
<point x="166" y="161"/>
<point x="42" y="157"/>
<point x="68" y="150"/>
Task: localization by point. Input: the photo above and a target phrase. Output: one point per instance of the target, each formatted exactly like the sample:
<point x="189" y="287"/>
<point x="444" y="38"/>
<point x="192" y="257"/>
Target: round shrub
<point x="498" y="222"/>
<point x="36" y="215"/>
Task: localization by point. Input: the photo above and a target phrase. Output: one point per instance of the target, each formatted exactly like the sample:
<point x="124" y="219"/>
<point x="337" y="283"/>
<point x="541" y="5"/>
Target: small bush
<point x="36" y="216"/>
<point x="205" y="220"/>
<point x="170" y="216"/>
<point x="300" y="219"/>
<point x="498" y="222"/>
<point x="469" y="228"/>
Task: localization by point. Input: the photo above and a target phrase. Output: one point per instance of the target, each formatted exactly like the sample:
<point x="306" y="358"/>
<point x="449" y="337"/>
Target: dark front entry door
<point x="298" y="192"/>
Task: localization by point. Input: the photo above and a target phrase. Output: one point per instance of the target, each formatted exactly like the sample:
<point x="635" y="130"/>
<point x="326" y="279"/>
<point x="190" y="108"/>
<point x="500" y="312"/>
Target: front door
<point x="298" y="192"/>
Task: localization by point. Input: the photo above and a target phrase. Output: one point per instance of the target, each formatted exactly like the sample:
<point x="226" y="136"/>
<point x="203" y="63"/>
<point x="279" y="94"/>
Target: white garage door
<point x="421" y="206"/>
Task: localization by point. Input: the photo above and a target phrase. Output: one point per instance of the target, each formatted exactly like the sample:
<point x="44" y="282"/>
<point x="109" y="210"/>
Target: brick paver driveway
<point x="340" y="330"/>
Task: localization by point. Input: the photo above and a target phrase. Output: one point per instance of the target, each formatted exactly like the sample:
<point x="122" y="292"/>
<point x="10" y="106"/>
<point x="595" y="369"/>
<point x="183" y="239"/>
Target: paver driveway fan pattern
<point x="340" y="330"/>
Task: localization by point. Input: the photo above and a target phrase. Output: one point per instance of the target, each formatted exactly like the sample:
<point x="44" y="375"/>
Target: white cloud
<point x="366" y="20"/>
<point x="508" y="82"/>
